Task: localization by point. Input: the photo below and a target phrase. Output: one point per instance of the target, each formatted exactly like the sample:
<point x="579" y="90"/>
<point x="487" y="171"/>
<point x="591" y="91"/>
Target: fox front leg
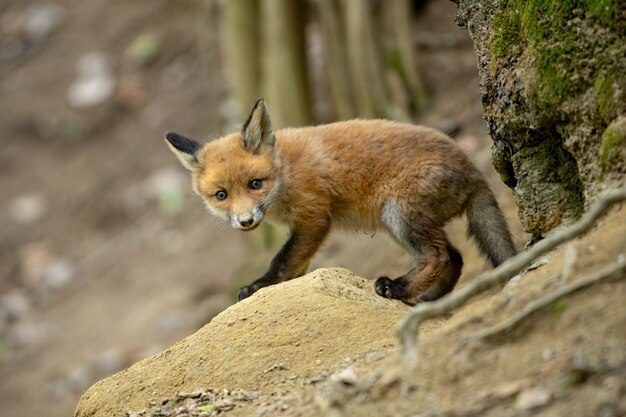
<point x="292" y="259"/>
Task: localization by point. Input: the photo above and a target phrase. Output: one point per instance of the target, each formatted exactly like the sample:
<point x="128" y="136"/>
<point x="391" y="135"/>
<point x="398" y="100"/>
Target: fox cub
<point x="360" y="174"/>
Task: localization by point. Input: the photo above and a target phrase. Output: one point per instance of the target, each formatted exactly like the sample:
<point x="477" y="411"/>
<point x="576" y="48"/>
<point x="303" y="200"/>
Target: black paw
<point x="247" y="291"/>
<point x="386" y="287"/>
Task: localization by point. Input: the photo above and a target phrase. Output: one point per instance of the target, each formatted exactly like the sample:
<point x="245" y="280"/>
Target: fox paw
<point x="247" y="291"/>
<point x="386" y="287"/>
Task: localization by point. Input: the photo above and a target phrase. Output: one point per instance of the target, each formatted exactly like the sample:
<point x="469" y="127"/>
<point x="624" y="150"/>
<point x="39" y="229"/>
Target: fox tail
<point x="487" y="226"/>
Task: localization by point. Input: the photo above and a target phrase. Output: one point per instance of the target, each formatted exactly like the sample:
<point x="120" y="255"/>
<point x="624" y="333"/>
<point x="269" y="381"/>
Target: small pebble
<point x="347" y="376"/>
<point x="40" y="20"/>
<point x="531" y="398"/>
<point x="95" y="83"/>
<point x="28" y="208"/>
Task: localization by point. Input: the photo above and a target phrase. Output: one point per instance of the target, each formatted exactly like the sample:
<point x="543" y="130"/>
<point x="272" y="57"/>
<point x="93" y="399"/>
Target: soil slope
<point x="323" y="344"/>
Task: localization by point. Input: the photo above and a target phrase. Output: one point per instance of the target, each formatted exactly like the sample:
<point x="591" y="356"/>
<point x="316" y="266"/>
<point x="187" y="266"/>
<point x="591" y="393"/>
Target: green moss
<point x="559" y="306"/>
<point x="508" y="24"/>
<point x="556" y="70"/>
<point x="613" y="143"/>
<point x="604" y="96"/>
<point x="607" y="12"/>
<point x="544" y="28"/>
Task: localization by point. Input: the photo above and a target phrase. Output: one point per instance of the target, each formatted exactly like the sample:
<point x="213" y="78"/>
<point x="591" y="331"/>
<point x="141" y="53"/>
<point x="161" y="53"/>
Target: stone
<point x="532" y="398"/>
<point x="551" y="83"/>
<point x="229" y="349"/>
<point x="95" y="83"/>
<point x="28" y="208"/>
<point x="40" y="20"/>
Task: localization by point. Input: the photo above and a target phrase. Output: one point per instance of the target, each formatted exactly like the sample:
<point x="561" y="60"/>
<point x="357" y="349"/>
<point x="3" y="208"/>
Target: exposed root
<point x="615" y="271"/>
<point x="408" y="326"/>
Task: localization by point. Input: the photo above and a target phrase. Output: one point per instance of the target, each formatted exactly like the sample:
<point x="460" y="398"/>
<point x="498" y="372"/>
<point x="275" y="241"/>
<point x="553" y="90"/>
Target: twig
<point x="407" y="329"/>
<point x="615" y="271"/>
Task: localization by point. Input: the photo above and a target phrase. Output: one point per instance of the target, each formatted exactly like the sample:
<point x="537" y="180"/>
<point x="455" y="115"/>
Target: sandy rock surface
<point x="282" y="332"/>
<point x="324" y="344"/>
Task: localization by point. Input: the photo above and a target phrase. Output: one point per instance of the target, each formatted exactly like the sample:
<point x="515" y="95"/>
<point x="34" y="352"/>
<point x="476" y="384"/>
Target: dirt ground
<point x="106" y="257"/>
<point x="334" y="352"/>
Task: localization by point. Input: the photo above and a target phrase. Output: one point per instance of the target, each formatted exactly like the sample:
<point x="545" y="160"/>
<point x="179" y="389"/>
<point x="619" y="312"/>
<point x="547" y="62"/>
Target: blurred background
<point x="106" y="256"/>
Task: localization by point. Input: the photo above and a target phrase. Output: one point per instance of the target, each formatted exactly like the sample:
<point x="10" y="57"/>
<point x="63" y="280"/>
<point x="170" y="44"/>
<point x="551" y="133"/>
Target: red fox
<point x="360" y="174"/>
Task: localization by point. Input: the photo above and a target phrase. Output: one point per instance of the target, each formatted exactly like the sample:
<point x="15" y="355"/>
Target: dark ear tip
<point x="182" y="143"/>
<point x="170" y="136"/>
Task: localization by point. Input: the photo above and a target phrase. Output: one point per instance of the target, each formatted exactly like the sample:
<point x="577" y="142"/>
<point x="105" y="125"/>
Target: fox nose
<point x="246" y="222"/>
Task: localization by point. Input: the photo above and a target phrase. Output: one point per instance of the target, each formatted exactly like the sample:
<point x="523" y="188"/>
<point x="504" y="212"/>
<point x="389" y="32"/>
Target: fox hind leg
<point x="436" y="275"/>
<point x="439" y="264"/>
<point x="448" y="278"/>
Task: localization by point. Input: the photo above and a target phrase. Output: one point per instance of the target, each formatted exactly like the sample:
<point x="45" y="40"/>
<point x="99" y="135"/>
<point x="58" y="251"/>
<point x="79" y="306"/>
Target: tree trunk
<point x="335" y="55"/>
<point x="364" y="60"/>
<point x="283" y="64"/>
<point x="401" y="18"/>
<point x="241" y="46"/>
<point x="553" y="91"/>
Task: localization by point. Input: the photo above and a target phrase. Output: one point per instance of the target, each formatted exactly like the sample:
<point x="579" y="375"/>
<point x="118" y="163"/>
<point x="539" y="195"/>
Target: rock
<point x="612" y="153"/>
<point x="41" y="269"/>
<point x="89" y="92"/>
<point x="552" y="84"/>
<point x="95" y="84"/>
<point x="508" y="389"/>
<point x="347" y="376"/>
<point x="531" y="398"/>
<point x="40" y="20"/>
<point x="59" y="273"/>
<point x="234" y="353"/>
<point x="28" y="208"/>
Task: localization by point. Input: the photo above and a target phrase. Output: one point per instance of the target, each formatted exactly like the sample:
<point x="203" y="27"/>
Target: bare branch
<point x="407" y="329"/>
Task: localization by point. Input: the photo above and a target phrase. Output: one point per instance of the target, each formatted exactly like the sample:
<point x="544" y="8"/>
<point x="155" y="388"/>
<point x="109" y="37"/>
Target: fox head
<point x="236" y="175"/>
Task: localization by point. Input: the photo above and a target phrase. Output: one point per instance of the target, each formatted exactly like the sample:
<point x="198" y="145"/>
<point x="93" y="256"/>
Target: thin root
<point x="615" y="271"/>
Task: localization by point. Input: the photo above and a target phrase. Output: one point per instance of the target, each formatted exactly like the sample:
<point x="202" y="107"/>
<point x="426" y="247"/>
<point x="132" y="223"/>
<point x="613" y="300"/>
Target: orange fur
<point x="359" y="174"/>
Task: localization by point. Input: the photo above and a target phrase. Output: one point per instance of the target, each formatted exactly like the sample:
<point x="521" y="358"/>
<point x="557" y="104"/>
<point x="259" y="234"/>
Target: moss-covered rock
<point x="612" y="156"/>
<point x="552" y="79"/>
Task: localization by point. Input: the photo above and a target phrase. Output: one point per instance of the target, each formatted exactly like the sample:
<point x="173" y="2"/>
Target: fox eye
<point x="255" y="184"/>
<point x="221" y="195"/>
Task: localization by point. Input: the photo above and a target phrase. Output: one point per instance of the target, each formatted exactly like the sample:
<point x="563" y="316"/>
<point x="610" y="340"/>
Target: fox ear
<point x="257" y="132"/>
<point x="184" y="148"/>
